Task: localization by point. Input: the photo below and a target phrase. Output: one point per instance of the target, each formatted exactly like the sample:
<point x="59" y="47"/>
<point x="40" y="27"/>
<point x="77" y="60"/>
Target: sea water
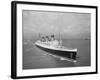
<point x="35" y="58"/>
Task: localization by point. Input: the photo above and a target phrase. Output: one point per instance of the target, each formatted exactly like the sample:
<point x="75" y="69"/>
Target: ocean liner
<point x="54" y="47"/>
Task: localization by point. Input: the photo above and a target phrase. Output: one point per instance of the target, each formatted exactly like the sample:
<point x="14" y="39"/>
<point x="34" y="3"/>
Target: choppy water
<point x="34" y="58"/>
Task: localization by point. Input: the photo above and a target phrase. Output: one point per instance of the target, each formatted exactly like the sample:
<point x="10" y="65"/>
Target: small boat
<point x="54" y="47"/>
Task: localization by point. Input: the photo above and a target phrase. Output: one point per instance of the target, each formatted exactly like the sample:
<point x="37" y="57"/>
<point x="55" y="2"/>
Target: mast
<point x="39" y="36"/>
<point x="60" y="41"/>
<point x="59" y="36"/>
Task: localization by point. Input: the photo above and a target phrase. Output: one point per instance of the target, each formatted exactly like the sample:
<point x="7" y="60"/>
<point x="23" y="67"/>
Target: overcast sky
<point x="70" y="25"/>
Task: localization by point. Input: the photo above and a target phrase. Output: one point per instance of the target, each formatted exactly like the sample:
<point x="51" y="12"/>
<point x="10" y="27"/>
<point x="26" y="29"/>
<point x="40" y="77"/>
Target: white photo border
<point x="18" y="71"/>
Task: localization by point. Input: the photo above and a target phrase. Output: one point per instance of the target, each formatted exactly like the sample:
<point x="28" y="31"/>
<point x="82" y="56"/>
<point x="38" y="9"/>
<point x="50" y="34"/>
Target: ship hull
<point x="65" y="54"/>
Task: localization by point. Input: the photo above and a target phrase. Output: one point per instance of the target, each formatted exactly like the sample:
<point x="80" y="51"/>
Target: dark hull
<point x="65" y="54"/>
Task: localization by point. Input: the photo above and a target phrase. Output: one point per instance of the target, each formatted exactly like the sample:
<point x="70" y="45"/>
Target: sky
<point x="69" y="24"/>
